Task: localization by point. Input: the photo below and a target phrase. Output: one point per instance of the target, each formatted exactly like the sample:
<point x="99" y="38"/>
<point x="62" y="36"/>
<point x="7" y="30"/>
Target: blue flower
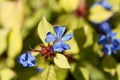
<point x="109" y="42"/>
<point x="103" y="27"/>
<point x="58" y="39"/>
<point x="27" y="60"/>
<point x="104" y="3"/>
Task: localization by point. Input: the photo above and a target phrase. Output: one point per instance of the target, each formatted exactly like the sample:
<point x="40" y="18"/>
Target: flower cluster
<point x="109" y="42"/>
<point x="106" y="37"/>
<point x="59" y="45"/>
<point x="27" y="60"/>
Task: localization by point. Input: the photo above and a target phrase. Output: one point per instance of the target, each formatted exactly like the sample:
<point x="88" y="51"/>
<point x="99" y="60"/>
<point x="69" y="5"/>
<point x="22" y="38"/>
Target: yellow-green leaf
<point x="61" y="61"/>
<point x="6" y="74"/>
<point x="99" y="14"/>
<point x="14" y="43"/>
<point x="115" y="5"/>
<point x="89" y="35"/>
<point x="41" y="62"/>
<point x="95" y="73"/>
<point x="3" y="40"/>
<point x="71" y="7"/>
<point x="37" y="47"/>
<point x="10" y="62"/>
<point x="118" y="71"/>
<point x="61" y="73"/>
<point x="74" y="47"/>
<point x="117" y="30"/>
<point x="11" y="13"/>
<point x="43" y="28"/>
<point x="49" y="73"/>
<point x="85" y="72"/>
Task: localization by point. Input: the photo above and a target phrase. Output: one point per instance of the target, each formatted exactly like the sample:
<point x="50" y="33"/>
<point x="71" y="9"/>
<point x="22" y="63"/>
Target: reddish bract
<point x="46" y="51"/>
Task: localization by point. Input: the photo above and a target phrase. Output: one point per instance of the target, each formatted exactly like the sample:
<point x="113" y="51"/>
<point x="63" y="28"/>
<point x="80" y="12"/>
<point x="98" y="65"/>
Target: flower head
<point x="109" y="42"/>
<point x="59" y="39"/>
<point x="27" y="60"/>
<point x="104" y="3"/>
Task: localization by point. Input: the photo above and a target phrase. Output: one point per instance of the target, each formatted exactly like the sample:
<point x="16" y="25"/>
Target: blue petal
<point x="107" y="49"/>
<point x="27" y="60"/>
<point x="116" y="47"/>
<point x="50" y="37"/>
<point x="67" y="37"/>
<point x="31" y="64"/>
<point x="106" y="5"/>
<point x="101" y="39"/>
<point x="21" y="58"/>
<point x="111" y="34"/>
<point x="65" y="46"/>
<point x="60" y="46"/>
<point x="59" y="31"/>
<point x="25" y="64"/>
<point x="116" y="41"/>
<point x="104" y="27"/>
<point x="31" y="57"/>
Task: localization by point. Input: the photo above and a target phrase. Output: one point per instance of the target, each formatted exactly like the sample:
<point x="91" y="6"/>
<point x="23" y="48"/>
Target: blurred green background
<point x="19" y="20"/>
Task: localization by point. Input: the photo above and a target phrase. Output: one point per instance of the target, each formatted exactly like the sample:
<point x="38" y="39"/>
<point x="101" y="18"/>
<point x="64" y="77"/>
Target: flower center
<point x="58" y="40"/>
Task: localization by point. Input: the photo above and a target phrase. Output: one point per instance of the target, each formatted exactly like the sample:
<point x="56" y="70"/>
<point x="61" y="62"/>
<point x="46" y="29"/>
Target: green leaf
<point x="14" y="43"/>
<point x="49" y="73"/>
<point x="71" y="7"/>
<point x="43" y="28"/>
<point x="98" y="14"/>
<point x="61" y="61"/>
<point x="79" y="71"/>
<point x="85" y="72"/>
<point x="3" y="40"/>
<point x="95" y="73"/>
<point x="109" y="64"/>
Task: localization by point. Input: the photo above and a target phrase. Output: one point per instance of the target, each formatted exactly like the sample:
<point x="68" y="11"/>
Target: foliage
<point x="25" y="24"/>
